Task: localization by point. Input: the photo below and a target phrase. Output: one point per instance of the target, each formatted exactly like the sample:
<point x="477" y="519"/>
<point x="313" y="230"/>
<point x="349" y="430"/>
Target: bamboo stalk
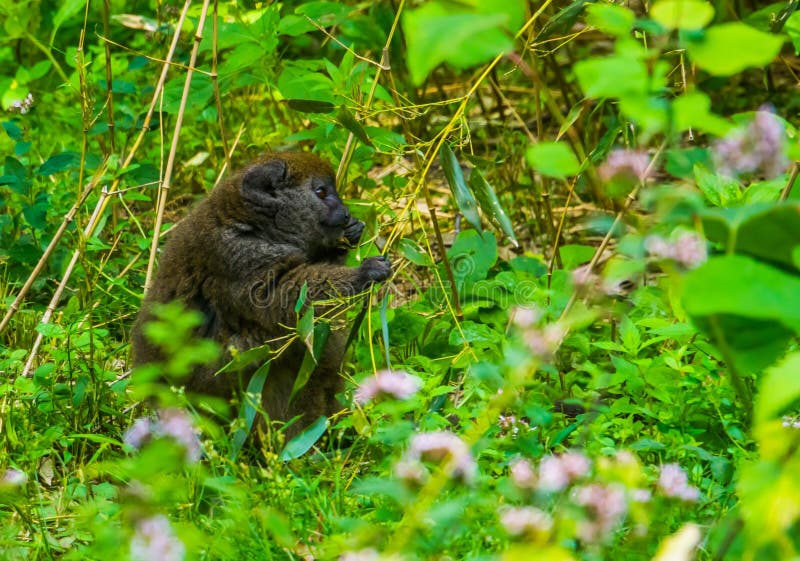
<point x="87" y="233"/>
<point x="166" y="183"/>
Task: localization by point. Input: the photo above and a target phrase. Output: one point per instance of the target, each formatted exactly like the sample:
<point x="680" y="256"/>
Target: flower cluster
<point x="171" y="423"/>
<point x="386" y="383"/>
<point x="789" y="421"/>
<point x="673" y="483"/>
<point x="526" y="520"/>
<point x="689" y="250"/>
<point x="22" y="105"/>
<point x="629" y="166"/>
<point x="757" y="147"/>
<point x="155" y="539"/>
<point x="605" y="507"/>
<point x="557" y="472"/>
<point x="13" y="478"/>
<point x="441" y="448"/>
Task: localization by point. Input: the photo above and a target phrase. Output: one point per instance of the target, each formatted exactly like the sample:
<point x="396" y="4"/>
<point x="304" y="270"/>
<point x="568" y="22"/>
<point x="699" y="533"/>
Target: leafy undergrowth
<point x="588" y="349"/>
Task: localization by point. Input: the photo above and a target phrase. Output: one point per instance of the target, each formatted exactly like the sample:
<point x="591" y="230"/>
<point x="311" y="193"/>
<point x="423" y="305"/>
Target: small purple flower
<point x="674" y="483"/>
<point x="22" y="105"/>
<point x="628" y="166"/>
<point x="140" y="432"/>
<point x="759" y="146"/>
<point x="155" y="540"/>
<point x="523" y="316"/>
<point x="386" y="383"/>
<point x="526" y="520"/>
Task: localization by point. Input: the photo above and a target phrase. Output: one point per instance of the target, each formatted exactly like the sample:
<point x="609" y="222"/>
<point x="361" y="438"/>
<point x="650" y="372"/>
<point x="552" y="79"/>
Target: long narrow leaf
<point x="490" y="204"/>
<point x="250" y="406"/>
<point x="455" y="178"/>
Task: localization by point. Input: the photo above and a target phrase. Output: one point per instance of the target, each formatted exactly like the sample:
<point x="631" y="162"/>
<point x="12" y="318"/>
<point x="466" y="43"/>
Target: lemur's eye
<point x="321" y="191"/>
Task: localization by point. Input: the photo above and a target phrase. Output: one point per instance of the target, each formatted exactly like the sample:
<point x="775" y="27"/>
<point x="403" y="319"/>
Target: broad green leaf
<point x="612" y="76"/>
<point x="792" y="29"/>
<point x="765" y="231"/>
<point x="554" y="159"/>
<point x="300" y="83"/>
<point x="455" y="178"/>
<point x="729" y="48"/>
<point x="779" y="388"/>
<point x="66" y="10"/>
<point x="682" y="14"/>
<point x="315" y="341"/>
<point x="472" y="256"/>
<point x="60" y="162"/>
<point x="438" y="32"/>
<point x="311" y="106"/>
<point x="610" y="18"/>
<point x="718" y="189"/>
<point x="750" y="308"/>
<point x="249" y="408"/>
<point x="693" y="110"/>
<point x="303" y="442"/>
<point x="490" y="205"/>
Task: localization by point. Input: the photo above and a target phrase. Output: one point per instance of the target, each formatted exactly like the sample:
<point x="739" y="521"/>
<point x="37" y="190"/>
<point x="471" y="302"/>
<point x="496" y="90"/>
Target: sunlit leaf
<point x="554" y="159"/>
<point x="729" y="48"/>
<point x="682" y="14"/>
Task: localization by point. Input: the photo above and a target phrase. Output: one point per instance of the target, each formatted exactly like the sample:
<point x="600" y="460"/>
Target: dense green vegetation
<point x="588" y="349"/>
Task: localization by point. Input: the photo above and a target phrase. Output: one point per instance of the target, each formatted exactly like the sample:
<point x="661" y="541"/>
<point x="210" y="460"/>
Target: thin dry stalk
<point x="166" y="183"/>
<point x="109" y="77"/>
<point x="87" y="233"/>
<point x="215" y="84"/>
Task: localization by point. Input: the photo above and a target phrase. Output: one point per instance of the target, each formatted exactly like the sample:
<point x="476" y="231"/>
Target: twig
<point x="166" y="183"/>
<point x="215" y="84"/>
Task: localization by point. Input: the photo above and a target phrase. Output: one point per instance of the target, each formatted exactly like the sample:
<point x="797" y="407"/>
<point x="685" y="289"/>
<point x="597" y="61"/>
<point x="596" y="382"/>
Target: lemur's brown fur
<point x="241" y="258"/>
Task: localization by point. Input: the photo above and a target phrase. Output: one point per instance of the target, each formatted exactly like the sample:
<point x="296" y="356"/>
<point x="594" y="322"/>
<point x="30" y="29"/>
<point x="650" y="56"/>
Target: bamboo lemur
<point x="241" y="258"/>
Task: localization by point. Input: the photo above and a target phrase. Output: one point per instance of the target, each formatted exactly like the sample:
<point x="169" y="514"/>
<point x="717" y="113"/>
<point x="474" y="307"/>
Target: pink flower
<point x="13" y="478"/>
<point x="605" y="507"/>
<point x="525" y="317"/>
<point x="155" y="540"/>
<point x="625" y="165"/>
<point x="438" y="447"/>
<point x="759" y="146"/>
<point x="397" y="384"/>
<point x="522" y="474"/>
<point x="689" y="250"/>
<point x="674" y="483"/>
<point x="526" y="520"/>
<point x="368" y="554"/>
<point x="544" y="342"/>
<point x="171" y="423"/>
<point x="556" y="472"/>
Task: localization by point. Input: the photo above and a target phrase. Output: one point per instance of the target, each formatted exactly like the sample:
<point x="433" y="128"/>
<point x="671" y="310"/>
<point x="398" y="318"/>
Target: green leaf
<point x="610" y="18"/>
<point x="748" y="307"/>
<point x="66" y="10"/>
<point x="249" y="408"/>
<point x="303" y="442"/>
<point x="490" y="205"/>
<point x="729" y="48"/>
<point x="455" y="178"/>
<point x="310" y="106"/>
<point x="440" y="32"/>
<point x="414" y="253"/>
<point x="612" y="76"/>
<point x="764" y="231"/>
<point x="718" y="189"/>
<point x="348" y="121"/>
<point x="682" y="14"/>
<point x="301" y="300"/>
<point x="779" y="388"/>
<point x="792" y="29"/>
<point x="554" y="159"/>
<point x="318" y="338"/>
<point x="472" y="256"/>
<point x="12" y="130"/>
<point x="60" y="162"/>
